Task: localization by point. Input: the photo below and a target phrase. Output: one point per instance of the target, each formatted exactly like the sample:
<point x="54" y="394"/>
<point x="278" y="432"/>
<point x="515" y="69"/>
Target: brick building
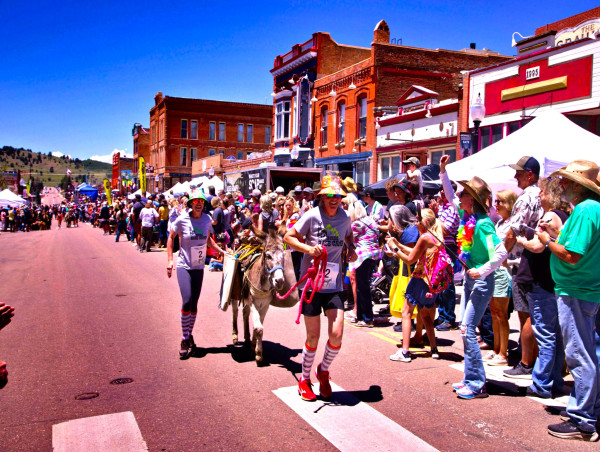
<point x="122" y="173"/>
<point x="556" y="68"/>
<point x="348" y="85"/>
<point x="141" y="148"/>
<point x="185" y="130"/>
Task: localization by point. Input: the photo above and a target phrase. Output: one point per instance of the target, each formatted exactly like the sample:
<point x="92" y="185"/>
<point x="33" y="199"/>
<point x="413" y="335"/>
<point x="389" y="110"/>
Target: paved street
<point x="90" y="311"/>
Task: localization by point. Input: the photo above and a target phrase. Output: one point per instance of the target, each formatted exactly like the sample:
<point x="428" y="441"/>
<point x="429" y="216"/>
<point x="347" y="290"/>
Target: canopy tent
<point x="9" y="199"/>
<point x="431" y="182"/>
<point x="215" y="182"/>
<point x="87" y="190"/>
<point x="552" y="138"/>
<point x="138" y="192"/>
<point x="198" y="181"/>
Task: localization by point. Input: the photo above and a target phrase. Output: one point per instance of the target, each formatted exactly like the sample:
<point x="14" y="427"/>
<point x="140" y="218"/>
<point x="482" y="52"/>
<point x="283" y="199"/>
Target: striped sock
<point x="308" y="357"/>
<point x="192" y="321"/>
<point x="330" y="353"/>
<point x="185" y="321"/>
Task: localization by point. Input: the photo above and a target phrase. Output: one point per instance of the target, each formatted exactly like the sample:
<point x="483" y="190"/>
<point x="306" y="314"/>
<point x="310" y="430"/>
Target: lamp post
<point x="477" y="115"/>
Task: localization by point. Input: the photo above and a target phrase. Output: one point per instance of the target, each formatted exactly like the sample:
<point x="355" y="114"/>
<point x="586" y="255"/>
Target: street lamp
<point x="477" y="115"/>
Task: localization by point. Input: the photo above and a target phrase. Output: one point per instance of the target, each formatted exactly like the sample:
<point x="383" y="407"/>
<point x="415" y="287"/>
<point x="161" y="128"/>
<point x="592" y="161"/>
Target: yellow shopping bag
<point x="397" y="291"/>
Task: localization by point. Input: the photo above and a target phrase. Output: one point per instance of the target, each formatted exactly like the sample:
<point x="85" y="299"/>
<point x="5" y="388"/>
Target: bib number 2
<point x="198" y="255"/>
<point x="331" y="275"/>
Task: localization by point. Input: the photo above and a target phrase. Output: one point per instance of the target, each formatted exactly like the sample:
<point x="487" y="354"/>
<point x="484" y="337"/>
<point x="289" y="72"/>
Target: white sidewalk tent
<point x="138" y="192"/>
<point x="9" y="199"/>
<point x="198" y="181"/>
<point x="553" y="139"/>
<point x="215" y="182"/>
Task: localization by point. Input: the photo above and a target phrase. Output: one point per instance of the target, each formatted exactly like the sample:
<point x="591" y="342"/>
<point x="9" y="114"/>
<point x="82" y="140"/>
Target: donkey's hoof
<point x="259" y="359"/>
<point x="234" y="339"/>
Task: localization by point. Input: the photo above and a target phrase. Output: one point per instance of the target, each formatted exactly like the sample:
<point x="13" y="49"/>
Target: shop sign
<point x="585" y="30"/>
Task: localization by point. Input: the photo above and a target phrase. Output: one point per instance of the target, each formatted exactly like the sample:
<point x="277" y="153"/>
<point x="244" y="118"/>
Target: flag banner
<point x="28" y="187"/>
<point x="107" y="190"/>
<point x="68" y="172"/>
<point x="142" y="167"/>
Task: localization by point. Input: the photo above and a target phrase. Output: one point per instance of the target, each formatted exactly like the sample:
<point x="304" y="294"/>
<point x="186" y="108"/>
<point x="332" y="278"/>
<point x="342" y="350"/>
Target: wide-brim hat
<point x="582" y="172"/>
<point x="331" y="186"/>
<point x="196" y="194"/>
<point x="350" y="185"/>
<point x="478" y="189"/>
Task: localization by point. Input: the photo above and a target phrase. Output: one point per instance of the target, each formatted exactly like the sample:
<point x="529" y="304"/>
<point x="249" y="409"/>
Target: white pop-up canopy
<point x="9" y="199"/>
<point x="553" y="139"/>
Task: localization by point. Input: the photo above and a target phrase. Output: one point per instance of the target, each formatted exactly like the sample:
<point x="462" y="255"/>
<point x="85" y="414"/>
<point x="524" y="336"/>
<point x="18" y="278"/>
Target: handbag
<point x="397" y="291"/>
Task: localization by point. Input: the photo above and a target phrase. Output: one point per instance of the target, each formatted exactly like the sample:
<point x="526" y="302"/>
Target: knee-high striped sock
<point x="192" y="321"/>
<point x="187" y="323"/>
<point x="330" y="353"/>
<point x="308" y="357"/>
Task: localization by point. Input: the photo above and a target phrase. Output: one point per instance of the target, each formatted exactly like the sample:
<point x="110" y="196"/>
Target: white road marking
<point x="115" y="432"/>
<point x="351" y="425"/>
<point x="513" y="384"/>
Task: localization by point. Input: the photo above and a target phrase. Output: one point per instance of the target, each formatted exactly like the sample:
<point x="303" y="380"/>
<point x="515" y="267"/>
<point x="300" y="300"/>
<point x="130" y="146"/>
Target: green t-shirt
<point x="581" y="235"/>
<point x="484" y="242"/>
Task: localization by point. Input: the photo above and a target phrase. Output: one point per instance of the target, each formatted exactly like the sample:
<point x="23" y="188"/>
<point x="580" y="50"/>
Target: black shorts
<point x="519" y="294"/>
<point x="322" y="302"/>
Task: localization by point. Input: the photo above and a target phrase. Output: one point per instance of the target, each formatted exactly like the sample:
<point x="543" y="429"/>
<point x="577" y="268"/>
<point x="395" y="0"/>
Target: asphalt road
<point x="89" y="311"/>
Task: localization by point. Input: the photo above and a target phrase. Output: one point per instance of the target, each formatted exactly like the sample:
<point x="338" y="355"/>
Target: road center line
<point x="118" y="432"/>
<point x="350" y="424"/>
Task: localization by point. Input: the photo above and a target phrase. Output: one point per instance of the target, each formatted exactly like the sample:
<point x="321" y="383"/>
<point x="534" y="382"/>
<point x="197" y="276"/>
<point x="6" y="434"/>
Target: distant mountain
<point x="50" y="170"/>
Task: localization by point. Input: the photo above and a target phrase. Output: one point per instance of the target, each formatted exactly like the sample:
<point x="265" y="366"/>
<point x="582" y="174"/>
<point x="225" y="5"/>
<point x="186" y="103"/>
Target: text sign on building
<point x="532" y="73"/>
<point x="585" y="30"/>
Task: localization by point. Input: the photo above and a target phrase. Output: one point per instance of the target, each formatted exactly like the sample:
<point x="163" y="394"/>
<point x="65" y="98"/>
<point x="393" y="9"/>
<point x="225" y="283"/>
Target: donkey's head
<point x="273" y="259"/>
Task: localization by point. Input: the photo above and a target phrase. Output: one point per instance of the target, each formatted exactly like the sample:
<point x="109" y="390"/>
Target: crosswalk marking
<point x="351" y="425"/>
<point x="117" y="432"/>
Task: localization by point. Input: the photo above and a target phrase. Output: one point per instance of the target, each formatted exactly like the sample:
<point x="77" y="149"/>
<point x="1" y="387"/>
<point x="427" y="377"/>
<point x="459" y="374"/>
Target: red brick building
<point x="185" y="130"/>
<point x="141" y="148"/>
<point x="348" y="85"/>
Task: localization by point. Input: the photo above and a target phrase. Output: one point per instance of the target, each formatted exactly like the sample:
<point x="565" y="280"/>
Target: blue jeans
<point x="578" y="324"/>
<point x="475" y="300"/>
<point x="486" y="330"/>
<point x="544" y="322"/>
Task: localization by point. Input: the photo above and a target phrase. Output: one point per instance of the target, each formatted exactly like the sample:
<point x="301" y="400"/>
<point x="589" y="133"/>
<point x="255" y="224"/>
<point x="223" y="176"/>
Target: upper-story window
<point x="240" y="155"/>
<point x="250" y="133"/>
<point x="267" y="134"/>
<point x="341" y="114"/>
<point x="212" y="130"/>
<point x="212" y="152"/>
<point x="193" y="154"/>
<point x="194" y="130"/>
<point x="282" y="120"/>
<point x="221" y="131"/>
<point x="240" y="134"/>
<point x="362" y="117"/>
<point x="324" y="114"/>
<point x="183" y="157"/>
<point x="184" y="128"/>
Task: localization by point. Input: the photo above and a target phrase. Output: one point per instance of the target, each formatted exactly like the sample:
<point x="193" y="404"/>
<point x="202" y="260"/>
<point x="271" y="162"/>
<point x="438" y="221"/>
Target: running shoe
<point x="520" y="371"/>
<point x="568" y="430"/>
<point x="497" y="360"/>
<point x="363" y="324"/>
<point x="434" y="353"/>
<point x="457" y="386"/>
<point x="467" y="394"/>
<point x="402" y="356"/>
<point x="324" y="386"/>
<point x="185" y="349"/>
<point x="305" y="391"/>
<point x="489" y="356"/>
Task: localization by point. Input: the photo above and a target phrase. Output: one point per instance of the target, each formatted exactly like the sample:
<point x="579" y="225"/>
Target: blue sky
<point x="76" y="76"/>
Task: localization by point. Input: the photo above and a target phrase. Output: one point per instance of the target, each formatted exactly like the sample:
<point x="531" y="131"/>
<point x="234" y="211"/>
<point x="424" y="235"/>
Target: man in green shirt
<point x="574" y="266"/>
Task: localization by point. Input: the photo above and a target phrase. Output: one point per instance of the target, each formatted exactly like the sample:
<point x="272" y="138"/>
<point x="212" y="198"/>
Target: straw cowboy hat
<point x="330" y="185"/>
<point x="478" y="189"/>
<point x="350" y="185"/>
<point x="582" y="172"/>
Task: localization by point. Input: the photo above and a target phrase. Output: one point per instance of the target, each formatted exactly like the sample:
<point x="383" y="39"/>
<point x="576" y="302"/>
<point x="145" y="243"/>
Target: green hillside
<point x="50" y="170"/>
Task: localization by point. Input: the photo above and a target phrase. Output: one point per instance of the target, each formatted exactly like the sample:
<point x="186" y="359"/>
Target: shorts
<point x="502" y="282"/>
<point x="416" y="294"/>
<point x="322" y="302"/>
<point x="519" y="293"/>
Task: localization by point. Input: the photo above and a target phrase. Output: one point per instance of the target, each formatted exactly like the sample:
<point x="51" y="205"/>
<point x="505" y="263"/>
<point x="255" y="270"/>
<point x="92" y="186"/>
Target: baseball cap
<point x="308" y="190"/>
<point x="256" y="193"/>
<point x="527" y="163"/>
<point x="298" y="189"/>
<point x="413" y="160"/>
<point x="368" y="191"/>
<point x="280" y="190"/>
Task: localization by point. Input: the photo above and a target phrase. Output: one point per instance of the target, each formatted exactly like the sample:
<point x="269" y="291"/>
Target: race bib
<point x="197" y="256"/>
<point x="331" y="274"/>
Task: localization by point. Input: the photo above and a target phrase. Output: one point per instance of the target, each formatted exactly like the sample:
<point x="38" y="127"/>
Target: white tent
<point x="553" y="139"/>
<point x="9" y="199"/>
<point x="198" y="181"/>
<point x="215" y="182"/>
<point x="138" y="192"/>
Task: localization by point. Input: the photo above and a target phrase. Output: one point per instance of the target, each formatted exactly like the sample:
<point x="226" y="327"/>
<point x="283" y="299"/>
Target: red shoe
<point x="324" y="386"/>
<point x="305" y="391"/>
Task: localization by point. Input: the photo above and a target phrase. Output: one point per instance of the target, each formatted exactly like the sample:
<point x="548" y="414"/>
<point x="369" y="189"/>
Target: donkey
<point x="271" y="272"/>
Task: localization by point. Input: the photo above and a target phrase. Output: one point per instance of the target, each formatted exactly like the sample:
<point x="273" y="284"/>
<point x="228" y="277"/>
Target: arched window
<point x="324" y="114"/>
<point x="341" y="115"/>
<point x="362" y="116"/>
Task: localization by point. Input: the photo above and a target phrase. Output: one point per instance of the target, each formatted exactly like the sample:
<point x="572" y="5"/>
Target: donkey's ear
<point x="282" y="229"/>
<point x="258" y="233"/>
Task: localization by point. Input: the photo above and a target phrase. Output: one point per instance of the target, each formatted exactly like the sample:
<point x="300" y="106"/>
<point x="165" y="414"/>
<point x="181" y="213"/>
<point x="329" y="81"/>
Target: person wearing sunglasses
<point x="324" y="227"/>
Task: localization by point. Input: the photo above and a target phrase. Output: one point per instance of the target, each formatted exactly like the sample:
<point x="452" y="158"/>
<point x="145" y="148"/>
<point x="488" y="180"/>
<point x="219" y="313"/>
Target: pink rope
<point x="315" y="278"/>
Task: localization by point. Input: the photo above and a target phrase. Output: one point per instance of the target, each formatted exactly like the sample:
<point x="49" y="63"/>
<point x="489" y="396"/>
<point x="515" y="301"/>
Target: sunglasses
<point x="498" y="201"/>
<point x="334" y="196"/>
<point x="197" y="201"/>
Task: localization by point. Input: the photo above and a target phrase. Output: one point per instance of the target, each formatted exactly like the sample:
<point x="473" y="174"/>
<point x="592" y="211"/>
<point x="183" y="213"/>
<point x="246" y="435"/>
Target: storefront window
<point x="497" y="133"/>
<point x="362" y="173"/>
<point x="484" y="137"/>
<point x="385" y="167"/>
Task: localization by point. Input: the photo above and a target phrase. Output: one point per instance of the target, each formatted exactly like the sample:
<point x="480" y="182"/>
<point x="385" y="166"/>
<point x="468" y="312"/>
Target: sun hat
<point x="527" y="163"/>
<point x="196" y="194"/>
<point x="414" y="160"/>
<point x="582" y="172"/>
<point x="404" y="185"/>
<point x="349" y="185"/>
<point x="331" y="185"/>
<point x="478" y="189"/>
<point x="280" y="190"/>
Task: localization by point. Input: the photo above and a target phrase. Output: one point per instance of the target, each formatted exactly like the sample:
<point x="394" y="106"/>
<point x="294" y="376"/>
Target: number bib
<point x="197" y="256"/>
<point x="331" y="274"/>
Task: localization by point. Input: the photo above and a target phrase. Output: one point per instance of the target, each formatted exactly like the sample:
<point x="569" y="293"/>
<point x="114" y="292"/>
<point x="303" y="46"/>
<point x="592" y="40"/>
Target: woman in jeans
<point x="366" y="238"/>
<point x="483" y="252"/>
